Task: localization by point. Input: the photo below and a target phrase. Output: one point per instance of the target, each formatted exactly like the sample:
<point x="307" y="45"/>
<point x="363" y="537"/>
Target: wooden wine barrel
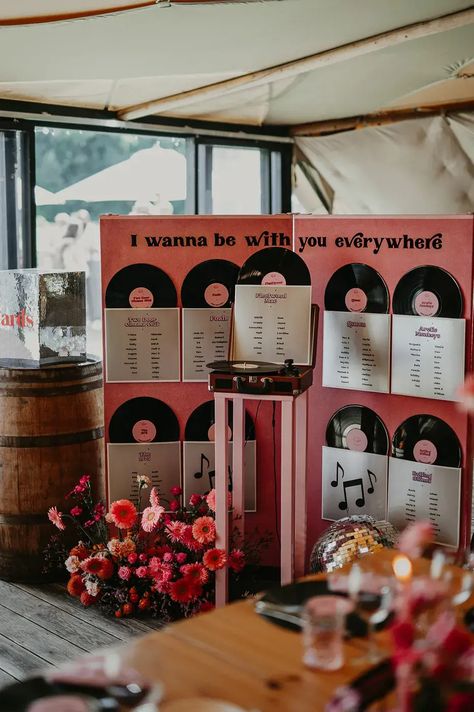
<point x="51" y="433"/>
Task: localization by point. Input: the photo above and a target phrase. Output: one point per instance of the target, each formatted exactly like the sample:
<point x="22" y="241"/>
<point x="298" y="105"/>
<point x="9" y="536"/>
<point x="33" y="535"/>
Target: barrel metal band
<point x="51" y="440"/>
<point x="51" y="391"/>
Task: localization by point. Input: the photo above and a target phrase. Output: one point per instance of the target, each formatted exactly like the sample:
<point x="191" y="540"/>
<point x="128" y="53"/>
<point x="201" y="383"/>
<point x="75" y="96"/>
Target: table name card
<point x="353" y="483"/>
<point x="199" y="470"/>
<point x="417" y="491"/>
<point x="142" y="345"/>
<point x="356" y="351"/>
<point x="272" y="323"/>
<point x="428" y="356"/>
<point x="205" y="339"/>
<point x="161" y="462"/>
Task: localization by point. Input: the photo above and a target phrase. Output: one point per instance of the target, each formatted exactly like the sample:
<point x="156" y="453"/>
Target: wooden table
<point x="235" y="655"/>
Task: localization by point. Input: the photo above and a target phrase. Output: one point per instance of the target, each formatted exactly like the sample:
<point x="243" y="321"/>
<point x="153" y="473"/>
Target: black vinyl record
<point x="427" y="439"/>
<point x="274" y="266"/>
<point x="210" y="284"/>
<point x="140" y="286"/>
<point x="428" y="291"/>
<point x="244" y="367"/>
<point x="357" y="288"/>
<point x="355" y="427"/>
<point x="200" y="424"/>
<point x="143" y="420"/>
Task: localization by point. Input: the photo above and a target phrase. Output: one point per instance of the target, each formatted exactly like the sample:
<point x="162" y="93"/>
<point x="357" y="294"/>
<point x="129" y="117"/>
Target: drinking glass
<point x="323" y="631"/>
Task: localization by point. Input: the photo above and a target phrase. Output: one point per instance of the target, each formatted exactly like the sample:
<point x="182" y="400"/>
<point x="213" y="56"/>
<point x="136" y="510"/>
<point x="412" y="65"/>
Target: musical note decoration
<point x="211" y="474"/>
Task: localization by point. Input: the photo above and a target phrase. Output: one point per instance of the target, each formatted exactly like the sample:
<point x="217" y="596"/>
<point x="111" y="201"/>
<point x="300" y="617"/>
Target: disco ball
<point x="348" y="539"/>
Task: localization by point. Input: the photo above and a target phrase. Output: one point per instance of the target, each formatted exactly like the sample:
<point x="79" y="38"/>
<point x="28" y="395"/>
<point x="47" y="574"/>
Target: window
<point x="239" y="180"/>
<point x="83" y="174"/>
<point x="15" y="201"/>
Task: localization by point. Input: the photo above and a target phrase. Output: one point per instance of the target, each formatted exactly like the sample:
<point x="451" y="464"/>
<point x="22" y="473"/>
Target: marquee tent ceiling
<point x="117" y="61"/>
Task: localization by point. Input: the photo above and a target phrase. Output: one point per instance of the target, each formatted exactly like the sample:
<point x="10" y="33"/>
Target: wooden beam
<point x="318" y="128"/>
<point x="75" y="15"/>
<point x="300" y="66"/>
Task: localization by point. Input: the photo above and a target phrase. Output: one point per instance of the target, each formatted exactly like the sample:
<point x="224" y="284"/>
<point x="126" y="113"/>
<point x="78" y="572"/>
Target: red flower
<point x="236" y="560"/>
<point x="195" y="572"/>
<point x="204" y="530"/>
<point x="80" y="551"/>
<point x="174" y="505"/>
<point x="176" y="491"/>
<point x="184" y="590"/>
<point x="99" y="511"/>
<point x="456" y="643"/>
<point x="461" y="702"/>
<point x="195" y="499"/>
<point x="206" y="606"/>
<point x="106" y="569"/>
<point x="75" y="585"/>
<point x="123" y="513"/>
<point x="214" y="559"/>
<point x="403" y="633"/>
<point x="76" y="511"/>
<point x="92" y="565"/>
<point x="84" y="480"/>
<point x="87" y="599"/>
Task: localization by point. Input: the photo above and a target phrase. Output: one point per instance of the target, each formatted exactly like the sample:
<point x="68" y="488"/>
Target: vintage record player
<point x="257" y="378"/>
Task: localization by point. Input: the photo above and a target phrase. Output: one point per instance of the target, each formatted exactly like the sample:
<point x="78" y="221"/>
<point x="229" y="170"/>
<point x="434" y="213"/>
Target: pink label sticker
<point x="356" y="439"/>
<point x="425" y="451"/>
<point x="144" y="431"/>
<point x="211" y="433"/>
<point x="356" y="300"/>
<point x="141" y="298"/>
<point x="216" y="294"/>
<point x="273" y="278"/>
<point x="426" y="304"/>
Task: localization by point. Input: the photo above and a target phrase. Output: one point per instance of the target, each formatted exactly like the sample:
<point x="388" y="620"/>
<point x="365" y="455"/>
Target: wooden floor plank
<point x="6" y="679"/>
<point x="54" y="619"/>
<point x="122" y="629"/>
<point x="36" y="639"/>
<point x="17" y="661"/>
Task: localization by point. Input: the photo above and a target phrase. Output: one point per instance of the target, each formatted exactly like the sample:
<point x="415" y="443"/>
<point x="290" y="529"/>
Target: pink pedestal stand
<point x="294" y="429"/>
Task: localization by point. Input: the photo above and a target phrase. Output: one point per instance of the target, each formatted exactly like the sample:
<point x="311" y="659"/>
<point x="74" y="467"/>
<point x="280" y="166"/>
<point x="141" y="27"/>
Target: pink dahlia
<point x="181" y="557"/>
<point x="56" y="518"/>
<point x="204" y="530"/>
<point x="150" y="517"/>
<point x="214" y="559"/>
<point x="142" y="571"/>
<point x="123" y="513"/>
<point x="211" y="500"/>
<point x="184" y="590"/>
<point x="195" y="572"/>
<point x="72" y="564"/>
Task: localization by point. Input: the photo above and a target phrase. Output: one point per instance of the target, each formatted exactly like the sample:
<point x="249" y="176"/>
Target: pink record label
<point x="274" y="278"/>
<point x="144" y="431"/>
<point x="141" y="298"/>
<point x="426" y="304"/>
<point x="216" y="294"/>
<point x="211" y="433"/>
<point x="356" y="300"/>
<point x="356" y="439"/>
<point x="425" y="451"/>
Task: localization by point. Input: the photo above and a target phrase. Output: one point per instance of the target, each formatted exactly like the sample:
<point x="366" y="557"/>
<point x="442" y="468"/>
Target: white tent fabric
<point x="413" y="167"/>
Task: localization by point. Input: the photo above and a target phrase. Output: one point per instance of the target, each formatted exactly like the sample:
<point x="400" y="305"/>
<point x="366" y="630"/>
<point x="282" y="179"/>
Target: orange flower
<point x="106" y="569"/>
<point x="80" y="550"/>
<point x="75" y="586"/>
<point x="123" y="513"/>
<point x="195" y="572"/>
<point x="214" y="559"/>
<point x="92" y="565"/>
<point x="87" y="599"/>
<point x="204" y="530"/>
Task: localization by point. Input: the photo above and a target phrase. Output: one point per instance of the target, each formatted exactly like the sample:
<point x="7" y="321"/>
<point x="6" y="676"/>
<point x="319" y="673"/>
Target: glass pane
<point x="236" y="181"/>
<point x="81" y="175"/>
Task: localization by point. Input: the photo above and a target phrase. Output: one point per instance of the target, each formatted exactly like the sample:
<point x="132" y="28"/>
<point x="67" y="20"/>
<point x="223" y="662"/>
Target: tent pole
<point x="300" y="66"/>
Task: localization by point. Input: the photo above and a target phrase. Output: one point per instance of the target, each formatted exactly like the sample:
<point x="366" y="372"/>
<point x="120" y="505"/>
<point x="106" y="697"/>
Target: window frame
<point x="276" y="162"/>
